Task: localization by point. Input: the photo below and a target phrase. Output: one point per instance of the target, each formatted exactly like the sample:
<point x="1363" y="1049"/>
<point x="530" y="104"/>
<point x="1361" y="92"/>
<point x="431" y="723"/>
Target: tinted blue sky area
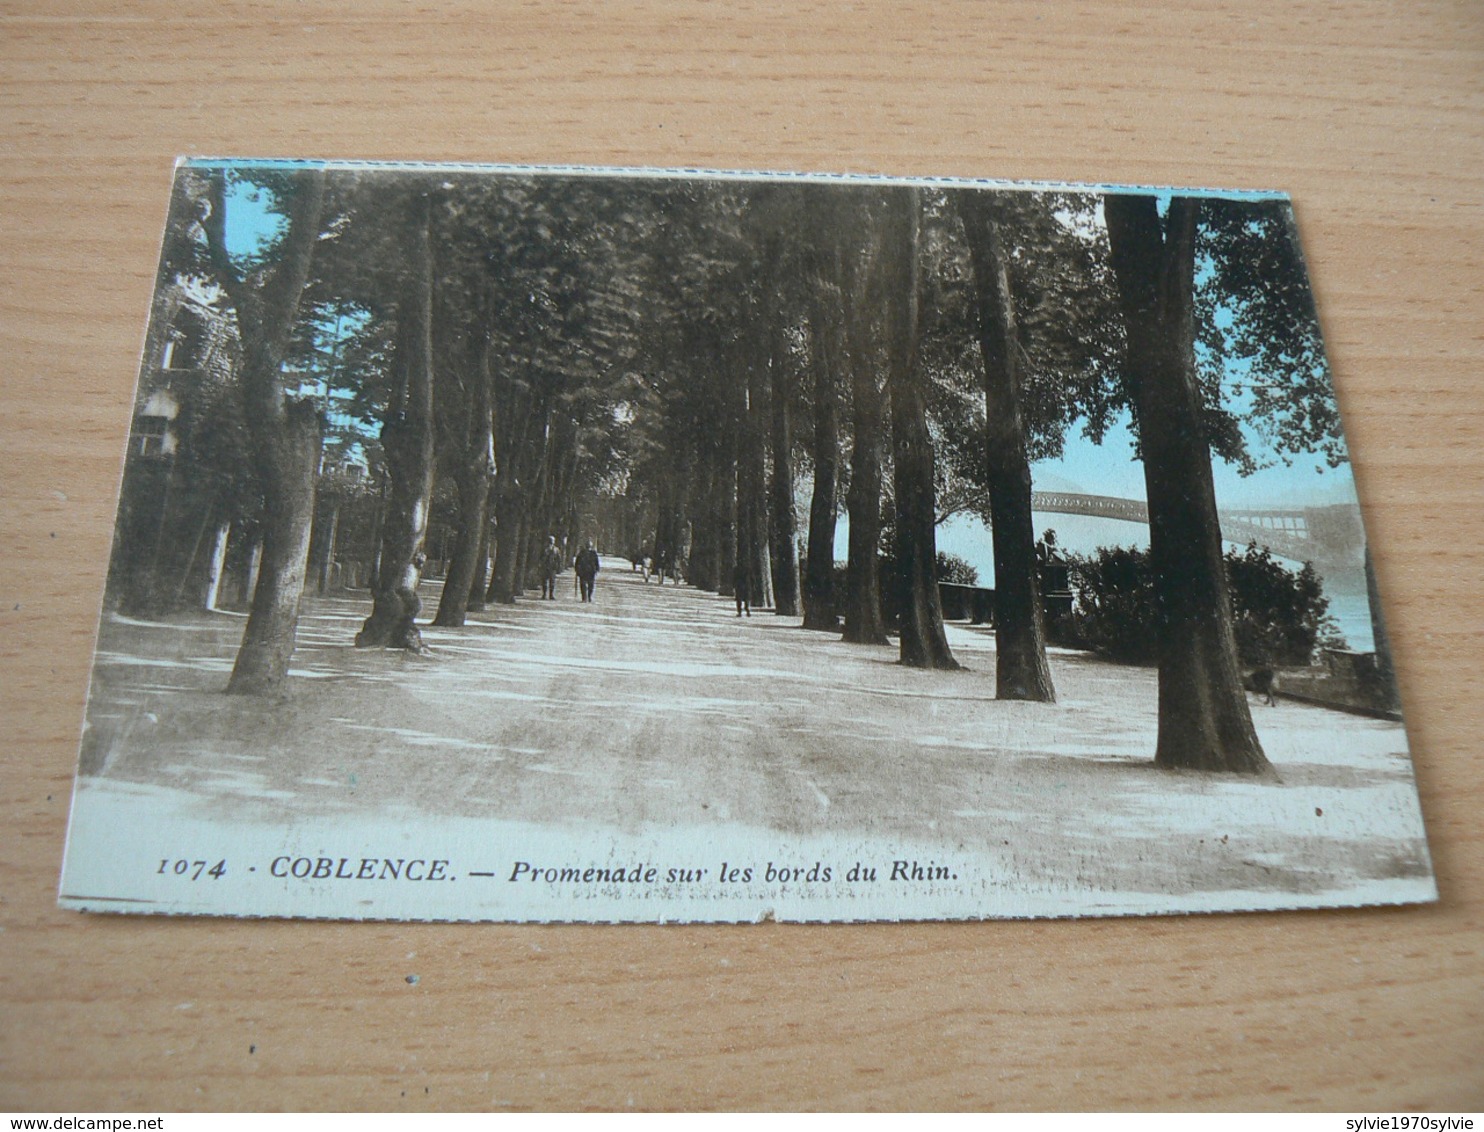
<point x="1111" y="469"/>
<point x="253" y="225"/>
<point x="253" y="222"/>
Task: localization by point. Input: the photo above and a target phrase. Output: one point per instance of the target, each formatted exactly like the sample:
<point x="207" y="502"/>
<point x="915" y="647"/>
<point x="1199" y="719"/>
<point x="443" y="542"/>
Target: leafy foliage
<point x="952" y="568"/>
<point x="1259" y="352"/>
<point x="1115" y="604"/>
<point x="1069" y="336"/>
<point x="1281" y="616"/>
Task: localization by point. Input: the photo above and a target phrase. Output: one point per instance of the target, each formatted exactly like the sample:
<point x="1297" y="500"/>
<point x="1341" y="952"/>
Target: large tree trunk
<point x="288" y="466"/>
<point x="473" y="481"/>
<point x="508" y="527"/>
<point x="752" y="522"/>
<point x="480" y="580"/>
<point x="510" y="494"/>
<point x="702" y="568"/>
<point x="923" y="642"/>
<point x="285" y="434"/>
<point x="725" y="487"/>
<point x="782" y="527"/>
<point x="1021" y="671"/>
<point x="680" y="537"/>
<point x="1381" y="644"/>
<point x="562" y="520"/>
<point x="323" y="537"/>
<point x="819" y="569"/>
<point x="724" y="514"/>
<point x="464" y="568"/>
<point x="864" y="624"/>
<point x="537" y="522"/>
<point x="1204" y="721"/>
<point x="669" y="506"/>
<point x="407" y="441"/>
<point x="713" y="543"/>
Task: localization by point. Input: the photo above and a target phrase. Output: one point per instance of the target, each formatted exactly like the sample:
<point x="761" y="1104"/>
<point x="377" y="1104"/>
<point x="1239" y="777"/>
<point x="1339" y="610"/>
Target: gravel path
<point x="656" y="706"/>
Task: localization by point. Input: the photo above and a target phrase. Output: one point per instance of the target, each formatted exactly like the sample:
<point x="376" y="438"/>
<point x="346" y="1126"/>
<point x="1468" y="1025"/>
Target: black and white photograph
<point x="563" y="544"/>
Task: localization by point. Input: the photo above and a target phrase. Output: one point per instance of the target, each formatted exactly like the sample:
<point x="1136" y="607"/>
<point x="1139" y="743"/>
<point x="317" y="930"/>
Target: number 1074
<point x="192" y="870"/>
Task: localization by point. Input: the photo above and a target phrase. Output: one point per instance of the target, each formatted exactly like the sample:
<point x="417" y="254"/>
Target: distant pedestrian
<point x="586" y="564"/>
<point x="551" y="566"/>
<point x="1264" y="681"/>
<point x="742" y="584"/>
<point x="1046" y="548"/>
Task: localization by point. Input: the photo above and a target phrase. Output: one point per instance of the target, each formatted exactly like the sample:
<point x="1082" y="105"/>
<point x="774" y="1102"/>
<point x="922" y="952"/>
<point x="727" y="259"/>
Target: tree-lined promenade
<point x="664" y="365"/>
<point x="657" y="709"/>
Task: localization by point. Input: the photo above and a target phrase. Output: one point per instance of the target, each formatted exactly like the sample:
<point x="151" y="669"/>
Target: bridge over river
<point x="1330" y="537"/>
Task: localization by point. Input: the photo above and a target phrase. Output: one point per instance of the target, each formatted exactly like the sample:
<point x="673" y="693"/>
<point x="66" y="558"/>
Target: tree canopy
<point x="484" y="362"/>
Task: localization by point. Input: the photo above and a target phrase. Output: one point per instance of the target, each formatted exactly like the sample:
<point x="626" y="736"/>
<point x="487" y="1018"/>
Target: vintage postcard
<point x="523" y="544"/>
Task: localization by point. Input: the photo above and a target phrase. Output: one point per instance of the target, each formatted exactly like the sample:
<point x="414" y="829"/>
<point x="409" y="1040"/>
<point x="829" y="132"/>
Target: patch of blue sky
<point x="252" y="226"/>
<point x="1111" y="468"/>
<point x="253" y="222"/>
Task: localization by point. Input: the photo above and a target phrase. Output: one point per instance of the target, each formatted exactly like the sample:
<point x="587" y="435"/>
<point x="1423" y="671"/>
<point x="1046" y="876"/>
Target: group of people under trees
<point x="656" y="565"/>
<point x="664" y="340"/>
<point x="585" y="567"/>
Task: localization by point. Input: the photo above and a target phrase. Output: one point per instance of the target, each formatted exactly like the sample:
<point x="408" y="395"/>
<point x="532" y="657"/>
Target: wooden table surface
<point x="1370" y="114"/>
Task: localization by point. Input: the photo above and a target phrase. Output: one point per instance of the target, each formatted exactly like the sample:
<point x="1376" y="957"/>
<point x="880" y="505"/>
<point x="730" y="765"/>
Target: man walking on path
<point x="551" y="566"/>
<point x="742" y="586"/>
<point x="587" y="569"/>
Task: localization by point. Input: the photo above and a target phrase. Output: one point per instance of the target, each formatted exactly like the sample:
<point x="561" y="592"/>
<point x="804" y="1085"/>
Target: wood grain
<point x="1372" y="115"/>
